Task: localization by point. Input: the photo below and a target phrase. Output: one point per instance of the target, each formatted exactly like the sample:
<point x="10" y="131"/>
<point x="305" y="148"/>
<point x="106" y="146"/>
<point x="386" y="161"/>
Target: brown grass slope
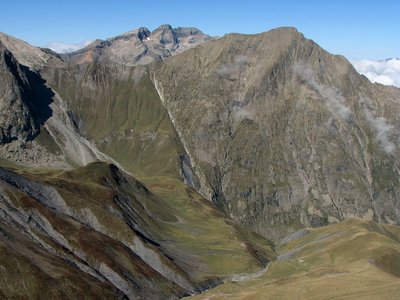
<point x="354" y="259"/>
<point x="100" y="224"/>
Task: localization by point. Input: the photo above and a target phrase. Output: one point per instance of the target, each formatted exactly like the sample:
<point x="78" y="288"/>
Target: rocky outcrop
<point x="17" y="120"/>
<point x="36" y="128"/>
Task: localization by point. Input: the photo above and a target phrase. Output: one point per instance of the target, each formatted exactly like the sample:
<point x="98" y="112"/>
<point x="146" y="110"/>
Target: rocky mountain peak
<point x="139" y="46"/>
<point x="165" y="35"/>
<point x="143" y="33"/>
<point x="186" y="31"/>
<point x="163" y="28"/>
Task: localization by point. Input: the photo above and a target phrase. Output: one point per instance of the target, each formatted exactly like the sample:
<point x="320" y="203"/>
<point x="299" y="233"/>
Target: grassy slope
<point x="189" y="229"/>
<point x="121" y="113"/>
<point x="354" y="259"/>
<point x="30" y="272"/>
<point x="206" y="232"/>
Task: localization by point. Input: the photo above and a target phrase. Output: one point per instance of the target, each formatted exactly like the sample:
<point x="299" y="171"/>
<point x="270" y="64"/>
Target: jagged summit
<point x="140" y="46"/>
<point x="163" y="27"/>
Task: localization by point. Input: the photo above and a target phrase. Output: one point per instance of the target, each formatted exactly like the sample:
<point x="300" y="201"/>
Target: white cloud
<point x="386" y="71"/>
<point x="383" y="129"/>
<point x="233" y="68"/>
<point x="331" y="95"/>
<point x="65" y="48"/>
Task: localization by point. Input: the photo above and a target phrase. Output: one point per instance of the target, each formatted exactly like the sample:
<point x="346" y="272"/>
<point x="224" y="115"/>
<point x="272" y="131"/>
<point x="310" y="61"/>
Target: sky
<point x="357" y="29"/>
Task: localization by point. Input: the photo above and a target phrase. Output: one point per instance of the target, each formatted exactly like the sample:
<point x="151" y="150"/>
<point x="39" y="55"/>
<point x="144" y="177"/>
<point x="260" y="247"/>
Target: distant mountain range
<point x="140" y="46"/>
<point x="163" y="164"/>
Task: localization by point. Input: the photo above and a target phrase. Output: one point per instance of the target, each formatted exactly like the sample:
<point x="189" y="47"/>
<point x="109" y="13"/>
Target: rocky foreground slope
<point x="97" y="230"/>
<point x="160" y="164"/>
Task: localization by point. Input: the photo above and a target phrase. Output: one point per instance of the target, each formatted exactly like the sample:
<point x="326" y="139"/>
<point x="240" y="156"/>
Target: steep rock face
<point x="282" y="134"/>
<point x="140" y="46"/>
<point x="17" y="119"/>
<point x="36" y="127"/>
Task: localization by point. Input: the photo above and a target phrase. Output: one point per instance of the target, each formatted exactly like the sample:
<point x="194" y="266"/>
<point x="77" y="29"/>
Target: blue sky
<point x="356" y="29"/>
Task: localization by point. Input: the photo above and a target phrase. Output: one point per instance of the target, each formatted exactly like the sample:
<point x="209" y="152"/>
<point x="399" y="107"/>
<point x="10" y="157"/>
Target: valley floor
<point x="354" y="259"/>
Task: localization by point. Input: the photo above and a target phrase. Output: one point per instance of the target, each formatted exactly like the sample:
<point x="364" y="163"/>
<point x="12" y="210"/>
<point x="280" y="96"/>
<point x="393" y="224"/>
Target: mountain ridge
<point x="140" y="46"/>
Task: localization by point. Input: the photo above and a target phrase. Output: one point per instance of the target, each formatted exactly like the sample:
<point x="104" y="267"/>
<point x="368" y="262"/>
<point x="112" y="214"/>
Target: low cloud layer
<point x="66" y="48"/>
<point x="385" y="72"/>
<point x="383" y="131"/>
<point x="337" y="103"/>
<point x="381" y="126"/>
<point x="233" y="68"/>
<point x="331" y="95"/>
